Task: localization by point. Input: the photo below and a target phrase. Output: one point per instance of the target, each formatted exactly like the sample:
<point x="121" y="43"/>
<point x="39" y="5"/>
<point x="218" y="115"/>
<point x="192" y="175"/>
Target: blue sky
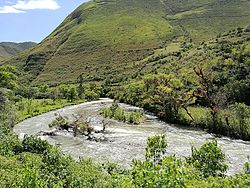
<point x="32" y="20"/>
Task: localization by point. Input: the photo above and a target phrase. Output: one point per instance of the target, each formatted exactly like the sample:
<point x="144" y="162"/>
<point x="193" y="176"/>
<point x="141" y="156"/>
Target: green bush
<point x="241" y="119"/>
<point x="42" y="165"/>
<point x="9" y="142"/>
<point x="208" y="159"/>
<point x="9" y="171"/>
<point x="247" y="168"/>
<point x="134" y="117"/>
<point x="156" y="148"/>
<point x="157" y="170"/>
<point x="120" y="114"/>
<point x="60" y="122"/>
<point x="34" y="145"/>
<point x="167" y="174"/>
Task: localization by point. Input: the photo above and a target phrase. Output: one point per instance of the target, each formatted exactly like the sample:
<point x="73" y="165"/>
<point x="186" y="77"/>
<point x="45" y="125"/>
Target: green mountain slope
<point x="8" y="49"/>
<point x="228" y="53"/>
<point x="104" y="38"/>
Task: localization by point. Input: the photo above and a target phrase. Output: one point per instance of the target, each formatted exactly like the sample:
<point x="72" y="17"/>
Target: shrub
<point x="247" y="168"/>
<point x="120" y="114"/>
<point x="60" y="122"/>
<point x="55" y="167"/>
<point x="82" y="127"/>
<point x="156" y="148"/>
<point x="208" y="159"/>
<point x="157" y="170"/>
<point x="135" y="117"/>
<point x="241" y="113"/>
<point x="9" y="142"/>
<point x="34" y="145"/>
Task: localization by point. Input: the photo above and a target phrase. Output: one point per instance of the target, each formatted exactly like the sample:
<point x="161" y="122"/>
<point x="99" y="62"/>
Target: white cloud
<point x="23" y="5"/>
<point x="9" y="9"/>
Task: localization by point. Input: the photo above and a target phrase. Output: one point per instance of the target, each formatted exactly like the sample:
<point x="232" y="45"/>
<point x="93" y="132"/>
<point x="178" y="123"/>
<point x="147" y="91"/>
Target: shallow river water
<point x="126" y="142"/>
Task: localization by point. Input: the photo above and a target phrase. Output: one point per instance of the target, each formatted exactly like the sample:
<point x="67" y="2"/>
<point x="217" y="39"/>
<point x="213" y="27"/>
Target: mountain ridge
<point x="7" y="49"/>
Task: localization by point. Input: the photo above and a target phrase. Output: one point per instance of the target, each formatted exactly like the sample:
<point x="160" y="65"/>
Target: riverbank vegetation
<point x="118" y="113"/>
<point x="32" y="101"/>
<point x="32" y="162"/>
<point x="27" y="108"/>
<point x="206" y="86"/>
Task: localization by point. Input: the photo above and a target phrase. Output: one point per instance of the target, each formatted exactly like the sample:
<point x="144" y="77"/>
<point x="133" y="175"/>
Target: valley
<point x="127" y="93"/>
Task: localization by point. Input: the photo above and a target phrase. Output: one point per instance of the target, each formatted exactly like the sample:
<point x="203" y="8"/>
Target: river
<point x="126" y="142"/>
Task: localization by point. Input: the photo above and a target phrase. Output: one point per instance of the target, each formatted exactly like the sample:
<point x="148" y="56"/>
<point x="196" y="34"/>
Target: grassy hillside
<point x="181" y="57"/>
<point x="104" y="38"/>
<point x="8" y="49"/>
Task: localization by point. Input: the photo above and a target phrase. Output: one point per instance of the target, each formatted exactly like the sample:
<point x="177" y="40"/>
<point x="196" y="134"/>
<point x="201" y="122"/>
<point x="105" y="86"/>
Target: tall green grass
<point x="32" y="107"/>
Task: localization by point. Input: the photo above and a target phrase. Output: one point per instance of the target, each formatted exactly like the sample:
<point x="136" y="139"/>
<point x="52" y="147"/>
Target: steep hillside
<point x="8" y="49"/>
<point x="181" y="57"/>
<point x="104" y="38"/>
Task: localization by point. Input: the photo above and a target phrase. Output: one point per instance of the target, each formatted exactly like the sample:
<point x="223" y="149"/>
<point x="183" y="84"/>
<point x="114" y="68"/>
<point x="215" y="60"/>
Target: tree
<point x="63" y="89"/>
<point x="8" y="82"/>
<point x="241" y="117"/>
<point x="158" y="170"/>
<point x="210" y="94"/>
<point x="156" y="148"/>
<point x="80" y="87"/>
<point x="54" y="93"/>
<point x="43" y="88"/>
<point x="8" y="77"/>
<point x="8" y="116"/>
<point x="72" y="93"/>
<point x="169" y="94"/>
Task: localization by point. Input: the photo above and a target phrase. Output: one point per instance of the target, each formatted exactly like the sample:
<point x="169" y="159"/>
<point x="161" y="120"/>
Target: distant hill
<point x="8" y="49"/>
<point x="106" y="38"/>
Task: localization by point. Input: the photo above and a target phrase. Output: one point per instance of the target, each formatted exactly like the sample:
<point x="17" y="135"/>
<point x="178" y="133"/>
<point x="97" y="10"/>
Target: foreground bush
<point x="209" y="159"/>
<point x="35" y="163"/>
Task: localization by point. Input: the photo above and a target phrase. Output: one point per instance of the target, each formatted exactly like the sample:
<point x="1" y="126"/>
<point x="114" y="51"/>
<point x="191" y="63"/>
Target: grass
<point x="237" y="125"/>
<point x="200" y="115"/>
<point x="1" y="59"/>
<point x="28" y="108"/>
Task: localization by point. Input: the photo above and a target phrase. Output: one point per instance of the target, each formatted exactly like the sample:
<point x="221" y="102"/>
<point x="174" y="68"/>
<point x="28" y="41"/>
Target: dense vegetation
<point x="28" y="101"/>
<point x="206" y="86"/>
<point x="106" y="38"/>
<point x="27" y="108"/>
<point x="32" y="162"/>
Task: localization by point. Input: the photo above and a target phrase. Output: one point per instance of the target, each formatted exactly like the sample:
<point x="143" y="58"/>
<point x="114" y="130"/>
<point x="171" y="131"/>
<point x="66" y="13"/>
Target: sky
<point x="32" y="20"/>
